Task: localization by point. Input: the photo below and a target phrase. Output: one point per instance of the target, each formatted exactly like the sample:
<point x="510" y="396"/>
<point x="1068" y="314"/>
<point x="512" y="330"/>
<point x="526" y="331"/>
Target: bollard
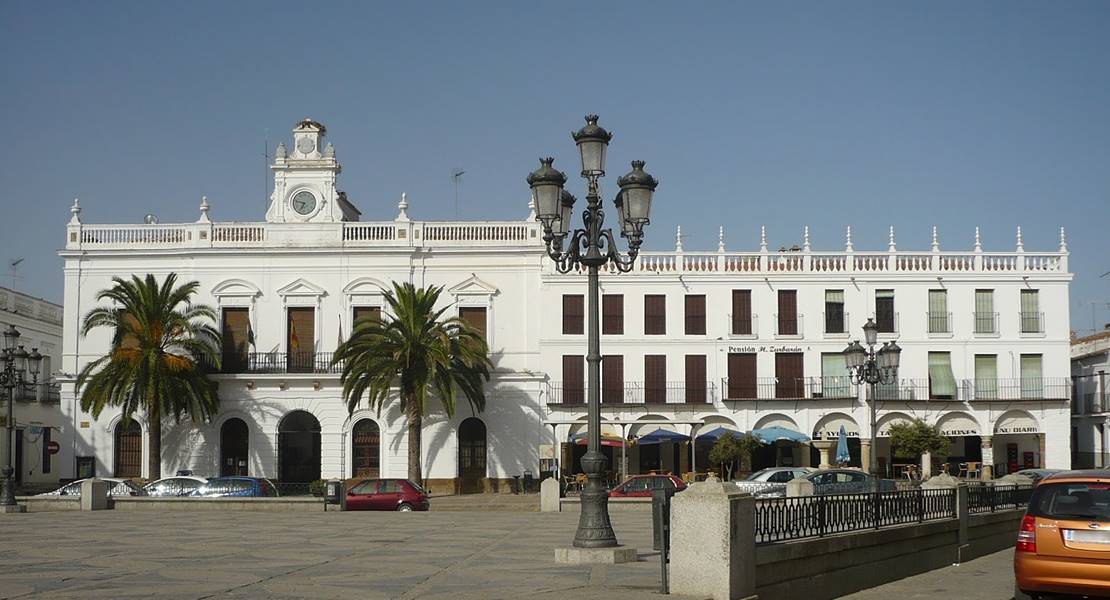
<point x="94" y="494"/>
<point x="661" y="531"/>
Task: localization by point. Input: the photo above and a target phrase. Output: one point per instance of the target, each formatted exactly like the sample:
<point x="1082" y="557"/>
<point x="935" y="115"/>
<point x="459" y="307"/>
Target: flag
<point x="250" y="333"/>
<point x="340" y="340"/>
<point x="294" y="343"/>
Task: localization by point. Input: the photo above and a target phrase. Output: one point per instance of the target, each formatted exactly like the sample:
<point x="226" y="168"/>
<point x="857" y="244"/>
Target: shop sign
<point x="764" y="348"/>
<point x="1003" y="430"/>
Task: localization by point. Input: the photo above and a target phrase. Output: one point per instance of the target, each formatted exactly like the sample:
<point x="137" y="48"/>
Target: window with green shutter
<point x="1032" y="385"/>
<point x="1030" y="312"/>
<point x="835" y="382"/>
<point x="984" y="311"/>
<point x="942" y="384"/>
<point x="986" y="376"/>
<point x="938" y="311"/>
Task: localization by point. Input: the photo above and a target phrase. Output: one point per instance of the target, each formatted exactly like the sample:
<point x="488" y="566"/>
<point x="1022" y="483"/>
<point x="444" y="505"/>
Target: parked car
<point x="387" y="494"/>
<point x="118" y="487"/>
<point x="771" y="481"/>
<point x="1063" y="544"/>
<point x="847" y="481"/>
<point x="168" y="487"/>
<point x="1038" y="474"/>
<point x="640" y="486"/>
<point x="245" y="487"/>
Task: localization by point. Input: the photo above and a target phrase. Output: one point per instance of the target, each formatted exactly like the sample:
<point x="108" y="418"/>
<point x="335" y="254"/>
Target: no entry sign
<point x="53" y="447"/>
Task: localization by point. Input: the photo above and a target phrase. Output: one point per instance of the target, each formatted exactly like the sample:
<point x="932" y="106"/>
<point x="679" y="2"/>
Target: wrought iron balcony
<point x="986" y="323"/>
<point x="45" y="393"/>
<point x="779" y="388"/>
<point x="279" y="363"/>
<point x="635" y="393"/>
<point x="1031" y="322"/>
<point x="1027" y="388"/>
<point x="940" y="323"/>
<point x="788" y="326"/>
<point x="741" y="327"/>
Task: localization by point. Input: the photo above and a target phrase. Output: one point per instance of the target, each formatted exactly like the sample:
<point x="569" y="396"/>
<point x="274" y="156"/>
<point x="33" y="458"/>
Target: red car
<point x="641" y="486"/>
<point x="387" y="494"/>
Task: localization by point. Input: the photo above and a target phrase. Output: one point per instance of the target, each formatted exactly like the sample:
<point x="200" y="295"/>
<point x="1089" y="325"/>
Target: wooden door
<point x="129" y="450"/>
<point x="788" y="373"/>
<point x="472" y="455"/>
<point x="742" y="376"/>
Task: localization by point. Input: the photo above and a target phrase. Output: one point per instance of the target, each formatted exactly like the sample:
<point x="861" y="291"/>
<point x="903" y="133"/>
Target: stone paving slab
<point x="989" y="577"/>
<point x="436" y="555"/>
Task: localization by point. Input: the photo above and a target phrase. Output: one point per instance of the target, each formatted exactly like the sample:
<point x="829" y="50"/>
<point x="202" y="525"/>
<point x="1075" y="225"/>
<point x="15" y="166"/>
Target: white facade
<point x="314" y="255"/>
<point x="37" y="414"/>
<point x="1090" y="419"/>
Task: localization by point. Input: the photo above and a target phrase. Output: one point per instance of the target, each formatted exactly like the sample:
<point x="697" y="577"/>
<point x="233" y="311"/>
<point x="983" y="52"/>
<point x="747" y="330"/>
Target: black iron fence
<point x="294" y="489"/>
<point x="778" y="519"/>
<point x="990" y="498"/>
<point x="279" y="362"/>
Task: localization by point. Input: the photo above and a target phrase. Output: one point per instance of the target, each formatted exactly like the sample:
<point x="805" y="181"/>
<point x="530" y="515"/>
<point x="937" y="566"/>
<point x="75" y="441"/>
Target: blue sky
<point x="871" y="114"/>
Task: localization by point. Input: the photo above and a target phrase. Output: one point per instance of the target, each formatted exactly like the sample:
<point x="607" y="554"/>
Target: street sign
<point x="53" y="447"/>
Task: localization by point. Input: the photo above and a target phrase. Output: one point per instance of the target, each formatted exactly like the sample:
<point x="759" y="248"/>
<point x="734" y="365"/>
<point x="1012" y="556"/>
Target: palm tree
<point x="417" y="353"/>
<point x="158" y="337"/>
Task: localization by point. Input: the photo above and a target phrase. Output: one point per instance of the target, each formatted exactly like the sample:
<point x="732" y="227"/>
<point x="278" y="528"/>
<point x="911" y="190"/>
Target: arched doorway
<point x="366" y="449"/>
<point x="472" y="455"/>
<point x="299" y="448"/>
<point x="129" y="449"/>
<point x="234" y="443"/>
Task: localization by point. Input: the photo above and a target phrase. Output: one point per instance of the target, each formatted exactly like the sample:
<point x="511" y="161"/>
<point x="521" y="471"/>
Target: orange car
<point x="1063" y="546"/>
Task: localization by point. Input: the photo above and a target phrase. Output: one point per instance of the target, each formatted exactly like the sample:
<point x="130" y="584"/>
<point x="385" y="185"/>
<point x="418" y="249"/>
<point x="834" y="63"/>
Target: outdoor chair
<point x="963" y="470"/>
<point x="974" y="470"/>
<point x="570" y="484"/>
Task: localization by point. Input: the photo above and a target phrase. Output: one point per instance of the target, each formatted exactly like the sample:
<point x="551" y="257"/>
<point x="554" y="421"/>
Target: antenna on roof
<point x="13" y="268"/>
<point x="456" y="178"/>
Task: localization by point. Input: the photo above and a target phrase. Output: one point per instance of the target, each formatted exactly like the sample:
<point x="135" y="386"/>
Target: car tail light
<point x="1027" y="535"/>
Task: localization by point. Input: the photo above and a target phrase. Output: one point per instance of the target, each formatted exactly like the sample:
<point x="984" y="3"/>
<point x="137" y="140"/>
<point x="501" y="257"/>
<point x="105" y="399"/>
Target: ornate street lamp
<point x="592" y="247"/>
<point x="865" y="365"/>
<point x="15" y="364"/>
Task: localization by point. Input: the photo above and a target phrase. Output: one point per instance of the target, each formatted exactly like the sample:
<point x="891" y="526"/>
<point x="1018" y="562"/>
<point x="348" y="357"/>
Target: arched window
<point x="472" y="455"/>
<point x="299" y="448"/>
<point x="129" y="449"/>
<point x="366" y="449"/>
<point x="234" y="443"/>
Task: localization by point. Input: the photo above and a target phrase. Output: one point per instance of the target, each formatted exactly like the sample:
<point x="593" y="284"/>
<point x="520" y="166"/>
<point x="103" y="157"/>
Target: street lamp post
<point x="592" y="247"/>
<point x="865" y="365"/>
<point x="17" y="363"/>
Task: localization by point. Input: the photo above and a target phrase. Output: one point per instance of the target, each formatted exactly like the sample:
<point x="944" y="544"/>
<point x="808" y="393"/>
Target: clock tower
<point x="304" y="180"/>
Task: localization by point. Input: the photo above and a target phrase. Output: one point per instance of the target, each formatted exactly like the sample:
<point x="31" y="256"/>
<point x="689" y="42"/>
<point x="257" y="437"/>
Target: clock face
<point x="306" y="145"/>
<point x="304" y="202"/>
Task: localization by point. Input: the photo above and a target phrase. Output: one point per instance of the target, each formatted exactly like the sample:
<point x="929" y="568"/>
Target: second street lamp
<point x="592" y="247"/>
<point x="865" y="365"/>
<point x="15" y="365"/>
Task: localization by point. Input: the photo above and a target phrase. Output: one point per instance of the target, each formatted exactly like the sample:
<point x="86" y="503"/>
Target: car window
<point x="416" y="486"/>
<point x="389" y="486"/>
<point x="636" y="485"/>
<point x="824" y="478"/>
<point x="759" y="476"/>
<point x="366" y="487"/>
<point x="781" y="477"/>
<point x="240" y="486"/>
<point x="71" y="489"/>
<point x="185" y="486"/>
<point x="268" y="489"/>
<point x="1086" y="501"/>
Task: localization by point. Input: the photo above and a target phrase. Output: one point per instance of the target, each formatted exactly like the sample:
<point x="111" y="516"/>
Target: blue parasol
<point x="661" y="435"/>
<point x="717" y="433"/>
<point x="770" y="435"/>
<point x="842" y="455"/>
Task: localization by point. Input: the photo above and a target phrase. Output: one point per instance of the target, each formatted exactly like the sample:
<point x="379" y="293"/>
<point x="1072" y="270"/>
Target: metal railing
<point x="788" y="326"/>
<point x="293" y="489"/>
<point x="1025" y="388"/>
<point x="279" y="363"/>
<point x="800" y="388"/>
<point x="45" y="393"/>
<point x="939" y="322"/>
<point x="1031" y="322"/>
<point x="912" y="389"/>
<point x="991" y="498"/>
<point x="888" y="323"/>
<point x="635" y="393"/>
<point x="740" y="327"/>
<point x="779" y="519"/>
<point x="986" y="323"/>
<point x="836" y="323"/>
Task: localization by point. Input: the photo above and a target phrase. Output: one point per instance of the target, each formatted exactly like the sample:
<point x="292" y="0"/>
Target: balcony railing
<point x="45" y="393"/>
<point x="636" y="393"/>
<point x="940" y="323"/>
<point x="986" y="323"/>
<point x="279" y="363"/>
<point x="776" y="388"/>
<point x="888" y="322"/>
<point x="836" y="323"/>
<point x="1031" y="322"/>
<point x="913" y="389"/>
<point x="1029" y="388"/>
<point x="740" y="327"/>
<point x="788" y="325"/>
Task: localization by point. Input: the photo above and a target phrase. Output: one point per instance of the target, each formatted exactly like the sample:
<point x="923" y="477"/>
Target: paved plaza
<point x="989" y="577"/>
<point x="456" y="555"/>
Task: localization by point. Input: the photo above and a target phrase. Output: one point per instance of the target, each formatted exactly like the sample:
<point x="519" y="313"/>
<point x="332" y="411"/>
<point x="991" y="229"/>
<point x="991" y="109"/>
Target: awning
<point x="941" y="380"/>
<point x="607" y="439"/>
<point x="830" y="428"/>
<point x="958" y="425"/>
<point x="661" y="435"/>
<point x="712" y="435"/>
<point x="770" y="435"/>
<point x="1016" y="423"/>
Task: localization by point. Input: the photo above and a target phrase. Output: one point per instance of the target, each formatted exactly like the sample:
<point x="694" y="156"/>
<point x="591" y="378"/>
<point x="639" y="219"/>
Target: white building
<point x="735" y="339"/>
<point x="37" y="415"/>
<point x="1090" y="414"/>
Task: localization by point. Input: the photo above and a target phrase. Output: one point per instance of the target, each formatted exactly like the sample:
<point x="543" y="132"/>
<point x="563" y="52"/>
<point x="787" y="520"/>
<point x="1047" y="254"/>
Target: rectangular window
<point x="986" y="377"/>
<point x="655" y="379"/>
<point x="1032" y="386"/>
<point x="984" y="311"/>
<point x="942" y="384"/>
<point x="742" y="376"/>
<point x="365" y="312"/>
<point x="475" y="316"/>
<point x="573" y="313"/>
<point x="834" y="311"/>
<point x="612" y="314"/>
<point x="788" y="312"/>
<point x="574" y="384"/>
<point x="835" y="382"/>
<point x="235" y="337"/>
<point x="695" y="379"/>
<point x="301" y="342"/>
<point x="1030" y="312"/>
<point x="695" y="314"/>
<point x="741" y="312"/>
<point x="655" y="314"/>
<point x="788" y="375"/>
<point x="884" y="310"/>
<point x="612" y="379"/>
<point x="938" y="311"/>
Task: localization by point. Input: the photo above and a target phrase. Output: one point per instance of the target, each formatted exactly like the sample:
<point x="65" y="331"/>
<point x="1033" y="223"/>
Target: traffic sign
<point x="53" y="447"/>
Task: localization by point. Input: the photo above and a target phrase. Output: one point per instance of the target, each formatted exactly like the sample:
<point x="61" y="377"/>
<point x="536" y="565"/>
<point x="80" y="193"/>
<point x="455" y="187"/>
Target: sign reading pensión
<point x="751" y="349"/>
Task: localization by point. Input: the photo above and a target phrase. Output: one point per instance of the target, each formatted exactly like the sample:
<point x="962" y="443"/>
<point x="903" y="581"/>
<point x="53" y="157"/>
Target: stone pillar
<point x="865" y="454"/>
<point x="713" y="542"/>
<point x="666" y="457"/>
<point x="94" y="494"/>
<point x="988" y="456"/>
<point x="799" y="487"/>
<point x="962" y="515"/>
<point x="804" y="448"/>
<point x="926" y="465"/>
<point x="683" y="458"/>
<point x="826" y="447"/>
<point x="550" y="490"/>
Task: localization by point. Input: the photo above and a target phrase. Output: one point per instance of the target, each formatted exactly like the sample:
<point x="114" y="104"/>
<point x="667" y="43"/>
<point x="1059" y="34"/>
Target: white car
<point x="178" y="485"/>
<point x="772" y="481"/>
<point x="118" y="487"/>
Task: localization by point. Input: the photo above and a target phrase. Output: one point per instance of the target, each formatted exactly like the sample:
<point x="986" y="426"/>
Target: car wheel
<point x="1020" y="595"/>
<point x="405" y="507"/>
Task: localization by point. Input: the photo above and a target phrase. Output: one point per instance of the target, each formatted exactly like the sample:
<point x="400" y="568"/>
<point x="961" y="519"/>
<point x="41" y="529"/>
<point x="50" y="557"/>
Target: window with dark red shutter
<point x="741" y="312"/>
<point x="364" y="312"/>
<point x="655" y="379"/>
<point x="788" y="312"/>
<point x="695" y="314"/>
<point x="612" y="314"/>
<point x="235" y="336"/>
<point x="475" y="316"/>
<point x="655" y="314"/>
<point x="301" y="341"/>
<point x="695" y="379"/>
<point x="788" y="375"/>
<point x="742" y="376"/>
<point x="574" y="387"/>
<point x="573" y="313"/>
<point x="612" y="379"/>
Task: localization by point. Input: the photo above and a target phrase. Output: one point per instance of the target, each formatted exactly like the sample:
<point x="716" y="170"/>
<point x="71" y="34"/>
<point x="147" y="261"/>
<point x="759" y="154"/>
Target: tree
<point x="415" y="352"/>
<point x="158" y="338"/>
<point x="729" y="448"/>
<point x="917" y="437"/>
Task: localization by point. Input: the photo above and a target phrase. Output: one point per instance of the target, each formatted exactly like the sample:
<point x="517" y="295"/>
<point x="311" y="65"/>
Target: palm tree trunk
<point x="415" y="423"/>
<point x="154" y="435"/>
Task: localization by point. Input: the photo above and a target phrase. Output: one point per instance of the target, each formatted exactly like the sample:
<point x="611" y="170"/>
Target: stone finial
<point x="531" y="210"/>
<point x="281" y="152"/>
<point x="762" y="238"/>
<point x="75" y="211"/>
<point x="978" y="240"/>
<point x="805" y="238"/>
<point x="678" y="239"/>
<point x="329" y="151"/>
<point x="721" y="239"/>
<point x="403" y="206"/>
<point x="848" y="240"/>
<point x="1063" y="241"/>
<point x="890" y="242"/>
<point x="1020" y="241"/>
<point x="936" y="240"/>
<point x="203" y="210"/>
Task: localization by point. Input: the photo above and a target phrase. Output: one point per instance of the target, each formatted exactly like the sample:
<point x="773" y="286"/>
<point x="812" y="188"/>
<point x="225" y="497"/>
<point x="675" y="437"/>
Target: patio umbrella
<point x="607" y="439"/>
<point x="842" y="455"/>
<point x="716" y="433"/>
<point x="661" y="435"/>
<point x="770" y="435"/>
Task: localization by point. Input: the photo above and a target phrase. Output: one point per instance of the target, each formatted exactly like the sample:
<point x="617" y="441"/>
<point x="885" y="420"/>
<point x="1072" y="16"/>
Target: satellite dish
<point x="150" y="219"/>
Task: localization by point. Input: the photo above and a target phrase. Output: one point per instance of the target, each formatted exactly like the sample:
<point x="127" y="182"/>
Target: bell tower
<point x="305" y="178"/>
